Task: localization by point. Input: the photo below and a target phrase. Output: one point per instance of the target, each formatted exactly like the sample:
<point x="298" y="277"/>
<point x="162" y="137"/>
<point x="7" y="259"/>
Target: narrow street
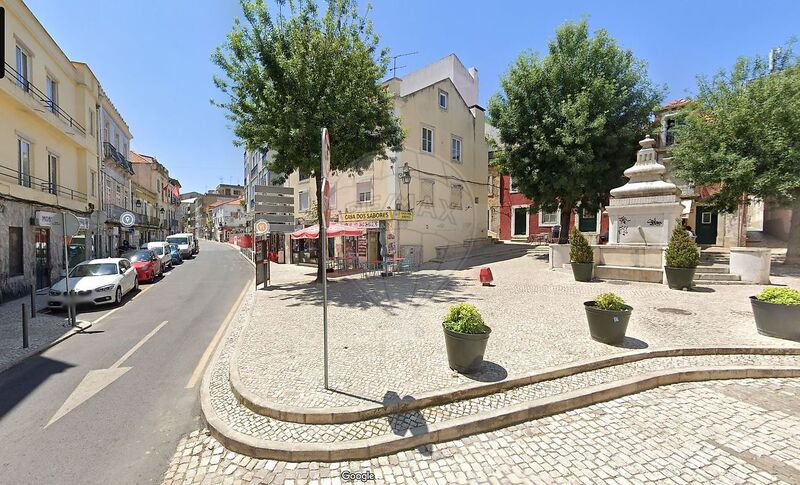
<point x="109" y="405"/>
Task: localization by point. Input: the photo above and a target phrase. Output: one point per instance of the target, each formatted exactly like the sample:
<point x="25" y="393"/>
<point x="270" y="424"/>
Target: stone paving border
<point x="341" y="415"/>
<point x="78" y="328"/>
<point x="473" y="424"/>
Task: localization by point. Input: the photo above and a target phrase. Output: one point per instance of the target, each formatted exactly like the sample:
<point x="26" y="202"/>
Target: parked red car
<point x="147" y="264"/>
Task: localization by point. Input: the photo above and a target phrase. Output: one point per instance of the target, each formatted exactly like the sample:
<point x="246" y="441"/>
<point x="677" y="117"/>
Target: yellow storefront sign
<point x="382" y="215"/>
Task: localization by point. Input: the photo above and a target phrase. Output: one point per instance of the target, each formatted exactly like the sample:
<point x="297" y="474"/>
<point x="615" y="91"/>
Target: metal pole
<point x="324" y="255"/>
<point x="323" y="234"/>
<point x="66" y="266"/>
<point x="33" y="301"/>
<point x="24" y="327"/>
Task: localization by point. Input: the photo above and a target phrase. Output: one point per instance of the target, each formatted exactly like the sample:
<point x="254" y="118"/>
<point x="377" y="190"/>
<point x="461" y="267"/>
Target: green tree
<point x="286" y="77"/>
<point x="569" y="121"/>
<point x="741" y="134"/>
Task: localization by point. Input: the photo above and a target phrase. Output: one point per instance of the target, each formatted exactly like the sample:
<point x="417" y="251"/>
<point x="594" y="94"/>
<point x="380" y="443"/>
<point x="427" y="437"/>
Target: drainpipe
<point x="100" y="191"/>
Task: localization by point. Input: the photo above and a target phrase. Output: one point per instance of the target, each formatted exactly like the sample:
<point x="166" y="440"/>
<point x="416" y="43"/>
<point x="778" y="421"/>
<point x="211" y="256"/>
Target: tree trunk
<point x="793" y="244"/>
<point x="320" y="270"/>
<point x="566" y="212"/>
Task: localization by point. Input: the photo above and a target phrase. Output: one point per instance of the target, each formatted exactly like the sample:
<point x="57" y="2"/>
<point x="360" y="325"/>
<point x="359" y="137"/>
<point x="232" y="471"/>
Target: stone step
<point x="630" y="273"/>
<point x="716" y="268"/>
<point x="716" y="277"/>
<point x="402" y="424"/>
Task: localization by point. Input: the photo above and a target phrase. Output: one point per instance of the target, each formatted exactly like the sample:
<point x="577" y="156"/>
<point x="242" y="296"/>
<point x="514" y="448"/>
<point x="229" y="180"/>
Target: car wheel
<point x="118" y="296"/>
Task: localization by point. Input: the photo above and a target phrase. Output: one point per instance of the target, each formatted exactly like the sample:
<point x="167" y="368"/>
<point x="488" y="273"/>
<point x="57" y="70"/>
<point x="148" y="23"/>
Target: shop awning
<point x="335" y="230"/>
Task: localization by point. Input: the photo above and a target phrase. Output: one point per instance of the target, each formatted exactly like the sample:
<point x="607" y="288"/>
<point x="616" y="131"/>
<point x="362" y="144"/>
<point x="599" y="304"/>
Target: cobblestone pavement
<point x="386" y="337"/>
<point x="242" y="419"/>
<point x="741" y="431"/>
<point x="43" y="329"/>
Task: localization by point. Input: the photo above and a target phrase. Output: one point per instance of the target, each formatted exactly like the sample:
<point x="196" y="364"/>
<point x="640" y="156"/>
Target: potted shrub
<point x="465" y="336"/>
<point x="777" y="313"/>
<point x="581" y="256"/>
<point x="608" y="317"/>
<point x="681" y="259"/>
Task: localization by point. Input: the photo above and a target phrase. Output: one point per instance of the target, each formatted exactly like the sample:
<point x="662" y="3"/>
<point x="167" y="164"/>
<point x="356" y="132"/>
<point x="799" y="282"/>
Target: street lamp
<point x="405" y="177"/>
<point x="138" y="203"/>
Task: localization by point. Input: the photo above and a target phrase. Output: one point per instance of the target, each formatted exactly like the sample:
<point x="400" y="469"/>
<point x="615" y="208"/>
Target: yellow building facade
<point x="48" y="154"/>
<point x="440" y="176"/>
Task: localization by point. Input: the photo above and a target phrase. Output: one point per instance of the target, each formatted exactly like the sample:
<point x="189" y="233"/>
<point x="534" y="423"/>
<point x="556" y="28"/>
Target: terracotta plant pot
<point x="607" y="326"/>
<point x="776" y="320"/>
<point x="465" y="350"/>
<point x="680" y="278"/>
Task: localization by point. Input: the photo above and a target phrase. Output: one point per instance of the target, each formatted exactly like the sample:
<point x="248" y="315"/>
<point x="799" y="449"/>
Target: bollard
<point x="24" y="327"/>
<point x="33" y="302"/>
<point x="71" y="313"/>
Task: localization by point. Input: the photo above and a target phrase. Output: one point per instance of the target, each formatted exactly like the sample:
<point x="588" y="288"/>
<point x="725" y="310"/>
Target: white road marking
<point x="97" y="380"/>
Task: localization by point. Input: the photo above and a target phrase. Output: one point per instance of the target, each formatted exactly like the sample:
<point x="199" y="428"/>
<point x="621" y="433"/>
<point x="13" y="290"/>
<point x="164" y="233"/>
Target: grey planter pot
<point x="776" y="320"/>
<point x="465" y="350"/>
<point x="582" y="271"/>
<point x="607" y="326"/>
<point x="680" y="278"/>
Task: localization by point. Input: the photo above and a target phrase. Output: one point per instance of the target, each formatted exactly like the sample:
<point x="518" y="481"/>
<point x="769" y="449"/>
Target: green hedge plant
<point x="609" y="301"/>
<point x="579" y="249"/>
<point x="464" y="318"/>
<point x="681" y="250"/>
<point x="780" y="296"/>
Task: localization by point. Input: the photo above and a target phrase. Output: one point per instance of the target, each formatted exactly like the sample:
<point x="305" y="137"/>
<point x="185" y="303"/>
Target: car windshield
<point x="173" y="247"/>
<point x="93" y="269"/>
<point x="158" y="250"/>
<point x="140" y="256"/>
<point x="178" y="240"/>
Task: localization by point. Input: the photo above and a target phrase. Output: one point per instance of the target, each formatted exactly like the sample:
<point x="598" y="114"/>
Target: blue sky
<point x="152" y="57"/>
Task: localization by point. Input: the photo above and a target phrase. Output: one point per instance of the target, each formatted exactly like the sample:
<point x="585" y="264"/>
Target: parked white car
<point x="97" y="282"/>
<point x="185" y="242"/>
<point x="163" y="252"/>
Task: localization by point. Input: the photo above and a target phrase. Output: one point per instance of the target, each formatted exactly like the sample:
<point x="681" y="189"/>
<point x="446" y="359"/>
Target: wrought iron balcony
<point x="27" y="180"/>
<point x="50" y="105"/>
<point x="110" y="152"/>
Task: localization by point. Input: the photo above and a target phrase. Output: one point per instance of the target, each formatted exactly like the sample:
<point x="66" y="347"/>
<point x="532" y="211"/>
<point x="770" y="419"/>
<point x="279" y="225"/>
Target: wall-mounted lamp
<point x="138" y="203"/>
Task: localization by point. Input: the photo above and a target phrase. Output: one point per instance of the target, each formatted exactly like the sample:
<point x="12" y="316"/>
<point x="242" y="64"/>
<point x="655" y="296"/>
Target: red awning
<point x="335" y="230"/>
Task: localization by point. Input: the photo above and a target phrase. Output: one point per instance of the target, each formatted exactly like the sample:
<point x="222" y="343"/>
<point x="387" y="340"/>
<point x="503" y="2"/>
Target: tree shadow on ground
<point x="488" y="372"/>
<point x="388" y="293"/>
<point x="407" y="422"/>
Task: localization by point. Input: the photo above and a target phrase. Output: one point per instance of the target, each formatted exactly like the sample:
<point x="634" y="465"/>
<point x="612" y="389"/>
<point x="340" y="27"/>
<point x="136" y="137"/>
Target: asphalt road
<point x="109" y="405"/>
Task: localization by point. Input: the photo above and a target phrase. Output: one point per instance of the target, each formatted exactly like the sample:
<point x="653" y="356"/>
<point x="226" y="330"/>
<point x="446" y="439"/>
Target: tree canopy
<point x="569" y="122"/>
<point x="740" y="133"/>
<point x="287" y="76"/>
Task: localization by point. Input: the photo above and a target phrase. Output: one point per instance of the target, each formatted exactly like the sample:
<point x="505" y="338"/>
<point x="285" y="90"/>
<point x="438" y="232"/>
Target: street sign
<point x="127" y="219"/>
<point x="326" y="174"/>
<point x="262" y="227"/>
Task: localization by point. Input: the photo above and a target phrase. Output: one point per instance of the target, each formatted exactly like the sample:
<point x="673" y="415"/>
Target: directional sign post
<point x="323" y="239"/>
<point x="70" y="226"/>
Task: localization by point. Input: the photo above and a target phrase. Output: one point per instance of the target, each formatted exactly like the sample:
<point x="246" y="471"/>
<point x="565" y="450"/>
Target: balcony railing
<point x="27" y="180"/>
<point x="110" y="152"/>
<point x="113" y="211"/>
<point x="28" y="87"/>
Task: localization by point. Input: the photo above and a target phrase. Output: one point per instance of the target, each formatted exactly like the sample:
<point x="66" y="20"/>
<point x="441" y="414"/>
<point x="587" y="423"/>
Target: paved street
<point x="109" y="405"/>
<point x="741" y="431"/>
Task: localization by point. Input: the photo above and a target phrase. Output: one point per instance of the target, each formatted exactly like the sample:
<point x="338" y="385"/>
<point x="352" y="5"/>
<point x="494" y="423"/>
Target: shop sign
<point x="45" y="219"/>
<point x="381" y="215"/>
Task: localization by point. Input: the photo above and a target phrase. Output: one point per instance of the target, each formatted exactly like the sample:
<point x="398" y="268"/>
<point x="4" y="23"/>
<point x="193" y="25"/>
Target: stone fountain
<point x="642" y="215"/>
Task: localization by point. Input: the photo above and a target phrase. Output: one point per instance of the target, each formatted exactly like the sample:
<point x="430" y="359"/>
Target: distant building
<point x="256" y="172"/>
<point x="426" y="198"/>
<point x="228" y="216"/>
